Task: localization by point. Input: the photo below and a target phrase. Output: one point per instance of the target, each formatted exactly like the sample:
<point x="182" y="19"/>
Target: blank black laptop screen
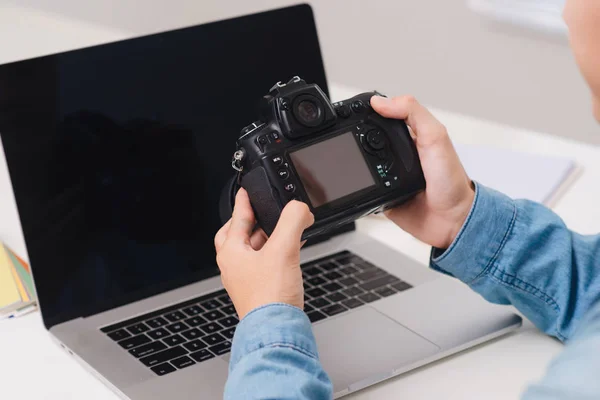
<point x="118" y="153"/>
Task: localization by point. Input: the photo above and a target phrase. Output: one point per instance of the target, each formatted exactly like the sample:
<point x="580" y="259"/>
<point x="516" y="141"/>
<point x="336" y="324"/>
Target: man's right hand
<point x="436" y="215"/>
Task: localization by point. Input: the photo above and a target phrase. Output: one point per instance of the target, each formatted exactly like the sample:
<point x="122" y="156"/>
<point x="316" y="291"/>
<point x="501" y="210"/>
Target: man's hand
<point x="255" y="270"/>
<point x="436" y="215"/>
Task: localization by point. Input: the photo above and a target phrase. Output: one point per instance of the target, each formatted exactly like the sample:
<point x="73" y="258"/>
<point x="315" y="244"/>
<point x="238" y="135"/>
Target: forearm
<point x="521" y="253"/>
<point x="274" y="356"/>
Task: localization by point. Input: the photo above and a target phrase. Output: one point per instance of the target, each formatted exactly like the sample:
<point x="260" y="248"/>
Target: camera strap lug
<point x="238" y="158"/>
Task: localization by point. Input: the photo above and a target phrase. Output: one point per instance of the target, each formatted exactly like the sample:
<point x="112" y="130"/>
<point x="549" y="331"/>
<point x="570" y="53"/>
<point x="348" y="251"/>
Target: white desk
<point x="32" y="367"/>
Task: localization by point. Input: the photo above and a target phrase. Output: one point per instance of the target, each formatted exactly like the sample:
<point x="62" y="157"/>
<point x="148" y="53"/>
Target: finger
<point x="294" y="219"/>
<point x="222" y="235"/>
<point x="258" y="239"/>
<point x="242" y="220"/>
<point x="424" y="125"/>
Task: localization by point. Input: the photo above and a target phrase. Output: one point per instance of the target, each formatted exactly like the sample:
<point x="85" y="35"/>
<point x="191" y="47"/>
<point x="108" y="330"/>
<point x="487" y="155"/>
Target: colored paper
<point x="9" y="294"/>
<point x="22" y="291"/>
<point x="23" y="273"/>
<point x="23" y="263"/>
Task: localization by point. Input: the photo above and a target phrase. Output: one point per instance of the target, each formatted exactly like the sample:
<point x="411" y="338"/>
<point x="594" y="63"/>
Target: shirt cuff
<point x="273" y="325"/>
<point x="480" y="239"/>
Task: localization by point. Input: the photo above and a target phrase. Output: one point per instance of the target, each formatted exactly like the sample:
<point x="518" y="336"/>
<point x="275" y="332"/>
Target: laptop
<point x="117" y="155"/>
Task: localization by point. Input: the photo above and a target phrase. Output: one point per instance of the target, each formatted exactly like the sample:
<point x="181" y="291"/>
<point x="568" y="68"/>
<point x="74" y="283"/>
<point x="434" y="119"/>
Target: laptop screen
<point x="118" y="153"/>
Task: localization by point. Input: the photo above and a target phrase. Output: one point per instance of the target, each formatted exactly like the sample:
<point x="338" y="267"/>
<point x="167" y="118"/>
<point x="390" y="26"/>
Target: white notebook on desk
<point x="519" y="175"/>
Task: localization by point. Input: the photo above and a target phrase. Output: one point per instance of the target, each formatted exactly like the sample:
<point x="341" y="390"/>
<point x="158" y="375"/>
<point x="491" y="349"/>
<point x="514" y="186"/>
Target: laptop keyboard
<point x="197" y="330"/>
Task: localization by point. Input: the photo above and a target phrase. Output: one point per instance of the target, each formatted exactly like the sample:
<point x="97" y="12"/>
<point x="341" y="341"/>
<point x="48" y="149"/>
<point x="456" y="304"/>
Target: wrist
<point x="460" y="215"/>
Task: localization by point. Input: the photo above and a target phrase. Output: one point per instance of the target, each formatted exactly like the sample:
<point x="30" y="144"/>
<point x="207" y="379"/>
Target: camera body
<point x="343" y="159"/>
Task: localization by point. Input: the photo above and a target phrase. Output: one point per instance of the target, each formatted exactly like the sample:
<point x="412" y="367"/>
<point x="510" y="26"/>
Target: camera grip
<point x="263" y="198"/>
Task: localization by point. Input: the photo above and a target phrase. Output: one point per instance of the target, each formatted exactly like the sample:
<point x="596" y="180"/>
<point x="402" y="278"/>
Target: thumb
<point x="425" y="126"/>
<point x="294" y="219"/>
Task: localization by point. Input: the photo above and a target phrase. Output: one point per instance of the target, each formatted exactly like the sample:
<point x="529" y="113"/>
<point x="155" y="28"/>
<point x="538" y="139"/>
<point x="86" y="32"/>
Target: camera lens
<point x="309" y="112"/>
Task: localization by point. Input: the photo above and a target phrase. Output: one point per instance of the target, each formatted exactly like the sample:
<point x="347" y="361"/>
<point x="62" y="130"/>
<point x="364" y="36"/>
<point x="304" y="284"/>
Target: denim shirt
<point x="510" y="252"/>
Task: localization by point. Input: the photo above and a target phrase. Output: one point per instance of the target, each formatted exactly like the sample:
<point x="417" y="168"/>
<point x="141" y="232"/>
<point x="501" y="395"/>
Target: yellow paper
<point x="9" y="294"/>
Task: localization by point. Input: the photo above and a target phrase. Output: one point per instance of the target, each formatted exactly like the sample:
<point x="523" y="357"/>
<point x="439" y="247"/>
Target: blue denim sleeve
<point x="573" y="375"/>
<point x="274" y="356"/>
<point x="519" y="252"/>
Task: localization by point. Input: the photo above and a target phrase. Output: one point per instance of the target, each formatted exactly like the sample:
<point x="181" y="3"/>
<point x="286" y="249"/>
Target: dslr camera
<point x="343" y="160"/>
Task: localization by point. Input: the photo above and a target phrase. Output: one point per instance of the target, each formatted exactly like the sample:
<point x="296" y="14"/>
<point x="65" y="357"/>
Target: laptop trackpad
<point x="366" y="346"/>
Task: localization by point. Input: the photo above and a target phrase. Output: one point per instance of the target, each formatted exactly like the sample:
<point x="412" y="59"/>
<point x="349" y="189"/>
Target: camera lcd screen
<point x="332" y="169"/>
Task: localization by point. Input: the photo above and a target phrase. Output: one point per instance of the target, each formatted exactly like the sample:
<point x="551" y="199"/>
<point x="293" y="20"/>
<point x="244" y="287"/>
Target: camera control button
<point x="283" y="173"/>
<point x="343" y="111"/>
<point x="275" y="136"/>
<point x="263" y="140"/>
<point x="277" y="160"/>
<point x="358" y="106"/>
<point x="290" y="187"/>
<point x="376" y="140"/>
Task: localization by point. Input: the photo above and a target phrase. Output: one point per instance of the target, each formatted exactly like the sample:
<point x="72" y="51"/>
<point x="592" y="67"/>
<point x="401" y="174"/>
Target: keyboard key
<point x="134" y="341"/>
<point x="316" y="292"/>
<point x="401" y="286"/>
<point x="177" y="327"/>
<point x="174" y="340"/>
<point x="307" y="286"/>
<point x="156" y="322"/>
<point x="319" y="303"/>
<point x="138" y="328"/>
<point x="222" y="348"/>
<point x="225" y="299"/>
<point x="312" y="271"/>
<point x="308" y="308"/>
<point x="334" y="275"/>
<point x="316" y="316"/>
<point x="192" y="334"/>
<point x="348" y="281"/>
<point x="328" y="266"/>
<point x="334" y="309"/>
<point x="349" y="270"/>
<point x="213" y="315"/>
<point x="175" y="316"/>
<point x="147" y="349"/>
<point x="352" y="303"/>
<point x="385" y="291"/>
<point x="211" y="327"/>
<point x="195" y="321"/>
<point x="163" y="369"/>
<point x="183" y="362"/>
<point x="211" y="304"/>
<point x="370" y="275"/>
<point x="195" y="345"/>
<point x="336" y="297"/>
<point x="353" y="291"/>
<point x="369" y="297"/>
<point x="228" y="322"/>
<point x="193" y="310"/>
<point x="332" y="287"/>
<point x="228" y="333"/>
<point x="119" y="335"/>
<point x="202" y="355"/>
<point x="163" y="356"/>
<point x="316" y="281"/>
<point x="365" y="266"/>
<point x="229" y="310"/>
<point x="158" y="334"/>
<point x="349" y="259"/>
<point x="379" y="282"/>
<point x="215" y="338"/>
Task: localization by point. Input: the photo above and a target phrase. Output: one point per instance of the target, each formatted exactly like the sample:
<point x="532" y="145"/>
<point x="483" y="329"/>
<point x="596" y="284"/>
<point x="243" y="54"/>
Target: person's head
<point x="583" y="19"/>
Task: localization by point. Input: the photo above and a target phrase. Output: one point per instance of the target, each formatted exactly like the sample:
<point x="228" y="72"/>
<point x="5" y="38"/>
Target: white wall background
<point x="437" y="50"/>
